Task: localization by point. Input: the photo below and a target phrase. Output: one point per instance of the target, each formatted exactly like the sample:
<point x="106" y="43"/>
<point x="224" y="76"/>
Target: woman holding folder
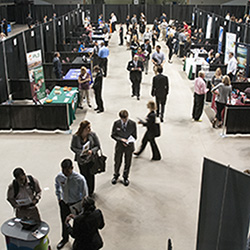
<point x="85" y="145"/>
<point x="151" y="133"/>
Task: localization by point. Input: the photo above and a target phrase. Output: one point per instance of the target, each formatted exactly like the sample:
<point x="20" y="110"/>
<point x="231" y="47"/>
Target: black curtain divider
<point x="94" y="10"/>
<point x="63" y="9"/>
<point x="51" y="117"/>
<point x="39" y="11"/>
<point x="5" y="123"/>
<point x="224" y="208"/>
<point x="66" y="25"/>
<point x="183" y="13"/>
<point x="20" y="89"/>
<point x="121" y="12"/>
<point x="79" y="17"/>
<point x="11" y="13"/>
<point x="71" y="22"/>
<point x="3" y="12"/>
<point x="237" y="11"/>
<point x="3" y="83"/>
<point x="33" y="39"/>
<point x="216" y="9"/>
<point x="16" y="58"/>
<point x="48" y="34"/>
<point x="59" y="30"/>
<point x="156" y="11"/>
<point x="137" y="9"/>
<point x="23" y="117"/>
<point x="20" y="13"/>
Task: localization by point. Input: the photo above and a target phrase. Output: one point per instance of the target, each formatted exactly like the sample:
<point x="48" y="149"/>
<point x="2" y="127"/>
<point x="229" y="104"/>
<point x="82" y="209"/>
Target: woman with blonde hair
<point x="151" y="132"/>
<point x="217" y="78"/>
<point x="84" y="81"/>
<point x="223" y="93"/>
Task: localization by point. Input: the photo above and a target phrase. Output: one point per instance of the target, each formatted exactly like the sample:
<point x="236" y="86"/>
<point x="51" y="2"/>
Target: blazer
<point x="160" y="87"/>
<point x="135" y="74"/>
<point x="85" y="231"/>
<point x="149" y="50"/>
<point x="97" y="86"/>
<point x="118" y="133"/>
<point x="77" y="144"/>
<point x="150" y="124"/>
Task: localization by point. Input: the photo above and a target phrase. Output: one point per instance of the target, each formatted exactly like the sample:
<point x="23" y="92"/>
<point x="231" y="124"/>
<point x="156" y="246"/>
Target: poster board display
<point x="230" y="45"/>
<point x="242" y="56"/>
<point x="220" y="40"/>
<point x="209" y="27"/>
<point x="36" y="75"/>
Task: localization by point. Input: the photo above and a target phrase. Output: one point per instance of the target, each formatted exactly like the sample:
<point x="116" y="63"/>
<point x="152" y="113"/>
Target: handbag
<point x="99" y="165"/>
<point x="157" y="127"/>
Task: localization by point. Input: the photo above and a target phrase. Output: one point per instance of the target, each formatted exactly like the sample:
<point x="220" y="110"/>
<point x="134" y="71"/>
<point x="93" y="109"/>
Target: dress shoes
<point x="162" y="119"/>
<point x="61" y="244"/>
<point x="89" y="105"/>
<point x="138" y="98"/>
<point x="132" y="95"/>
<point x="125" y="182"/>
<point x="96" y="109"/>
<point x="136" y="153"/>
<point x="99" y="111"/>
<point x="114" y="180"/>
<point x="156" y="159"/>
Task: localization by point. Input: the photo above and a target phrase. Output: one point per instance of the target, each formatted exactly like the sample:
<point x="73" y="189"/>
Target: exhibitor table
<point x="65" y="96"/>
<point x="17" y="237"/>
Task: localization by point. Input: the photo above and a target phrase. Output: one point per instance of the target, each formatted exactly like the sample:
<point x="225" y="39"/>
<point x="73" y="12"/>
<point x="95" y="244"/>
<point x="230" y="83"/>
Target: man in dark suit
<point x="97" y="87"/>
<point x="57" y="65"/>
<point x="160" y="90"/>
<point x="147" y="50"/>
<point x="121" y="34"/>
<point x="124" y="133"/>
<point x="135" y="67"/>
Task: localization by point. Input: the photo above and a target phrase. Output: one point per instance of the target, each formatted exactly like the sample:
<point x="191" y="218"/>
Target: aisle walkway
<point x="162" y="200"/>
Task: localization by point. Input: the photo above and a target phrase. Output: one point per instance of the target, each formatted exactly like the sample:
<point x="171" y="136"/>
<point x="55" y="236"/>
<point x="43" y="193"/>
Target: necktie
<point x="124" y="127"/>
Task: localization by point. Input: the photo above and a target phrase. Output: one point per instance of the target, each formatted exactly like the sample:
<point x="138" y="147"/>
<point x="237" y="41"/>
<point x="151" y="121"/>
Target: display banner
<point x="241" y="55"/>
<point x="220" y="40"/>
<point x="36" y="76"/>
<point x="209" y="27"/>
<point x="230" y="45"/>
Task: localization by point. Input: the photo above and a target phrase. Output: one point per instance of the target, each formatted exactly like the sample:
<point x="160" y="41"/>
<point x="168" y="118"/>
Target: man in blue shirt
<point x="71" y="188"/>
<point x="103" y="58"/>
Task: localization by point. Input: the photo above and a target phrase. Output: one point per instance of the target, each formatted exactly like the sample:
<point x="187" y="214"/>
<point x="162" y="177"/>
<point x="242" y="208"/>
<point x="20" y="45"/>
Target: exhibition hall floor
<point x="162" y="200"/>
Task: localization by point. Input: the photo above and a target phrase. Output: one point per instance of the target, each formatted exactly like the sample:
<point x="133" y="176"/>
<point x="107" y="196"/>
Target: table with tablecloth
<point x="67" y="96"/>
<point x="73" y="74"/>
<point x="190" y="65"/>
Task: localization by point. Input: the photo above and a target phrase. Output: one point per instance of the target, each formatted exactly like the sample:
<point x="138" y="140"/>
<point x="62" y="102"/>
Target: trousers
<point x="64" y="212"/>
<point x="160" y="107"/>
<point x="198" y="106"/>
<point x="121" y="150"/>
<point x="90" y="178"/>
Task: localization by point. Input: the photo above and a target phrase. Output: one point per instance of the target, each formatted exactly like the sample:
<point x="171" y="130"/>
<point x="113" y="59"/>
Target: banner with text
<point x="220" y="39"/>
<point x="36" y="76"/>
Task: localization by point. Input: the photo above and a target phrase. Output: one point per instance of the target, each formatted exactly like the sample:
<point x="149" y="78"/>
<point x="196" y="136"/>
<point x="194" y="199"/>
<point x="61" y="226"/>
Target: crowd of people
<point x="75" y="191"/>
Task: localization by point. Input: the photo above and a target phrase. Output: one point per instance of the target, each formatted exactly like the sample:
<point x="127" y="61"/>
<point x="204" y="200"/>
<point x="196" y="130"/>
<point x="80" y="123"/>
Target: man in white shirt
<point x="163" y="27"/>
<point x="232" y="67"/>
<point x="113" y="21"/>
<point x="71" y="188"/>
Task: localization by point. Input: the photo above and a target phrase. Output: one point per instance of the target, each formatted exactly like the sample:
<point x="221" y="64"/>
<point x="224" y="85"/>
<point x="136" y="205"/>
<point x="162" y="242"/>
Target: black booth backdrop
<point x="3" y="84"/>
<point x="224" y="208"/>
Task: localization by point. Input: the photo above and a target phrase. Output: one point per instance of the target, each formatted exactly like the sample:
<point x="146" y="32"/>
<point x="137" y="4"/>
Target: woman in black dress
<point x="151" y="133"/>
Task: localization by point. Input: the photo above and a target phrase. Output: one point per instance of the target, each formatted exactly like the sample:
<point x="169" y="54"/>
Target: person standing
<point x="24" y="187"/>
<point x="85" y="145"/>
<point x="170" y="44"/>
<point x="86" y="227"/>
<point x="29" y="21"/>
<point x="124" y="133"/>
<point x="200" y="90"/>
<point x="135" y="67"/>
<point x="103" y="58"/>
<point x="158" y="58"/>
<point x="97" y="86"/>
<point x="71" y="188"/>
<point x="160" y="89"/>
<point x="127" y="22"/>
<point x="163" y="28"/>
<point x="121" y="34"/>
<point x="5" y="26"/>
<point x="147" y="35"/>
<point x="113" y="21"/>
<point x="84" y="80"/>
<point x="224" y="93"/>
<point x="134" y="20"/>
<point x="150" y="134"/>
<point x="147" y="50"/>
<point x="57" y="65"/>
<point x="232" y="67"/>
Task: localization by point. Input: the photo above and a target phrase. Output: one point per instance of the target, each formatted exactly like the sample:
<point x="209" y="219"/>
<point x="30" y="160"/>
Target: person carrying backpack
<point x="23" y="194"/>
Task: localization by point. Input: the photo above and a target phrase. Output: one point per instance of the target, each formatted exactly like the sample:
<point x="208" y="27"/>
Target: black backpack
<point x="16" y="185"/>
